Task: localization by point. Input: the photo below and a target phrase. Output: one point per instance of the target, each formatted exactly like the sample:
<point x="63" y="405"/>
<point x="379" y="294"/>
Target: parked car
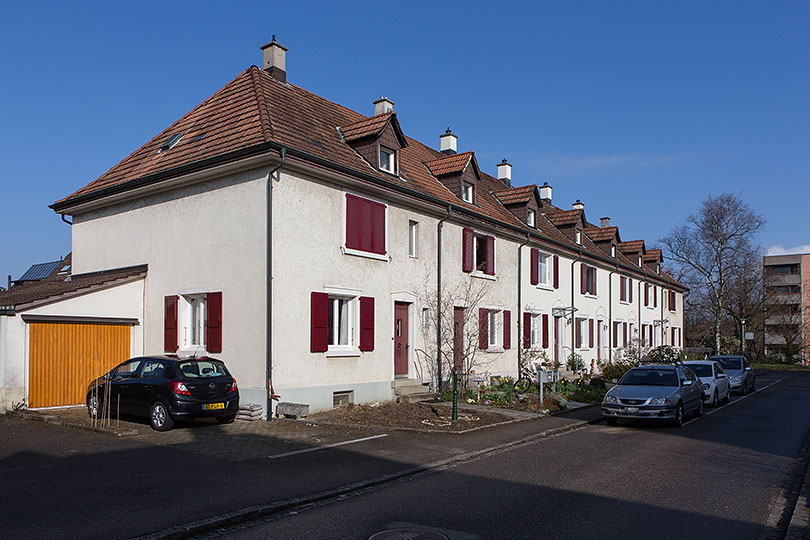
<point x="166" y="389"/>
<point x="715" y="382"/>
<point x="654" y="391"/>
<point x="741" y="375"/>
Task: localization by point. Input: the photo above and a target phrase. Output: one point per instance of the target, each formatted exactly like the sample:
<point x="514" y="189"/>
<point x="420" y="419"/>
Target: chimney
<point x="447" y="143"/>
<point x="604" y="222"/>
<point x="545" y="192"/>
<point x="578" y="205"/>
<point x="505" y="172"/>
<point x="9" y="282"/>
<point x="274" y="60"/>
<point x="383" y="105"/>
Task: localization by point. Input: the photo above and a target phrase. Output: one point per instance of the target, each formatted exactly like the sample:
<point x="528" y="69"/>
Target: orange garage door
<point x="65" y="357"/>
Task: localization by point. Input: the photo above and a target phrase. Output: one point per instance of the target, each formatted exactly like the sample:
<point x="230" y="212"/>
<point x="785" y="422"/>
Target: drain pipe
<point x="573" y="311"/>
<point x="610" y="314"/>
<point x="439" y="227"/>
<point x="519" y="314"/>
<point x="269" y="283"/>
<point x="65" y="219"/>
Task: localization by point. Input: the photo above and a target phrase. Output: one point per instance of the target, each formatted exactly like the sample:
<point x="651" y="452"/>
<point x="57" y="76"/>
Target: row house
<point x="325" y="255"/>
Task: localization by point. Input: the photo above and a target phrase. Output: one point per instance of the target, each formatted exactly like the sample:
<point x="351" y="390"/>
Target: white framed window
<point x="194" y="320"/>
<point x="468" y="193"/>
<point x="544" y="270"/>
<point x="413" y="237"/>
<point x="536" y="335"/>
<point x="613" y="250"/>
<point x="493" y="327"/>
<point x="531" y="218"/>
<point x="388" y="160"/>
<point x="578" y="236"/>
<point x="482" y="262"/>
<point x="639" y="261"/>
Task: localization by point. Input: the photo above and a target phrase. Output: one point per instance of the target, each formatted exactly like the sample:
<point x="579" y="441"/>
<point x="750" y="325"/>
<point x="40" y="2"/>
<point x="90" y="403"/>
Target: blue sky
<point x="639" y="109"/>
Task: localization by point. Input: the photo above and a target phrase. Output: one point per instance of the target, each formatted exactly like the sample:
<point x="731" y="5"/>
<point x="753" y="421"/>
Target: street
<point x="716" y="477"/>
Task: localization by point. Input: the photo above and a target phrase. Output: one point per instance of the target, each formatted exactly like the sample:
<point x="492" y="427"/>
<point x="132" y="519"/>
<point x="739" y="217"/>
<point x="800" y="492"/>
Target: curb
<point x="265" y="510"/>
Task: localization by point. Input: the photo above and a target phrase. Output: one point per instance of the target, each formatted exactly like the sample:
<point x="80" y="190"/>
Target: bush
<point x="615" y="370"/>
<point x="575" y="362"/>
<point x="664" y="354"/>
<point x="597" y="382"/>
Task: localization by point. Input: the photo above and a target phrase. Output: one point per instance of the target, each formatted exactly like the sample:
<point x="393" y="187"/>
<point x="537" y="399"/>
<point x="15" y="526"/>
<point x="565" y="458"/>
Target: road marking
<point x="305" y="450"/>
<point x="736" y="400"/>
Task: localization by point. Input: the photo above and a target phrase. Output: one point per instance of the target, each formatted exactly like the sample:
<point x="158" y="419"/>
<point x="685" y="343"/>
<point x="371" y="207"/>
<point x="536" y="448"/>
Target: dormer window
<point x="468" y="193"/>
<point x="613" y="251"/>
<point x="578" y="236"/>
<point x="531" y="218"/>
<point x="639" y="261"/>
<point x="387" y="160"/>
<point x="657" y="268"/>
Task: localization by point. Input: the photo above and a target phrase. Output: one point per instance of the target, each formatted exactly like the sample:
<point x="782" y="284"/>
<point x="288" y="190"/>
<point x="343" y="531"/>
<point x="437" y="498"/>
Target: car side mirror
<point x="687" y="382"/>
<point x="747" y="368"/>
<point x="721" y="375"/>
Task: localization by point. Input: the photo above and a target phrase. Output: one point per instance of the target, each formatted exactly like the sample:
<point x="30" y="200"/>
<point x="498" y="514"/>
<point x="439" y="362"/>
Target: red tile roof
<point x="516" y="195"/>
<point x="631" y="246"/>
<point x="454" y="164"/>
<point x="367" y="127"/>
<point x="566" y="217"/>
<point x="653" y="255"/>
<point x="601" y="234"/>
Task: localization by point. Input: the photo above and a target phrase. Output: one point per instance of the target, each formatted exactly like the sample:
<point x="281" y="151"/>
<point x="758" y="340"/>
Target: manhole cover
<point x="408" y="534"/>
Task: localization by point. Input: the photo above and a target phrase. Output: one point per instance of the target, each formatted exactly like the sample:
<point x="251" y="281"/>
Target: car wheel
<point x="699" y="410"/>
<point x="744" y="389"/>
<point x="92" y="406"/>
<point x="715" y="400"/>
<point x="226" y="419"/>
<point x="727" y="399"/>
<point x="678" y="420"/>
<point x="159" y="417"/>
<point x="753" y="387"/>
<point x="610" y="421"/>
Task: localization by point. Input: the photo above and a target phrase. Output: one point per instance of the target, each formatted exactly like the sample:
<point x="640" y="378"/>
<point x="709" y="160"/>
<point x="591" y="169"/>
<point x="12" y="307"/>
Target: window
<point x="647" y="295"/>
<point x="193" y="323"/>
<point x="578" y="236"/>
<point x="613" y="250"/>
<point x="786" y="270"/>
<point x="530" y="218"/>
<point x="413" y="236"/>
<point x="483" y="253"/>
<point x="625" y="289"/>
<point x="195" y="319"/>
<point x="335" y="324"/>
<point x="787" y="289"/>
<point x="468" y="193"/>
<point x="493" y="328"/>
<point x="365" y="226"/>
<point x="128" y="370"/>
<point x="387" y="160"/>
<point x="541" y="267"/>
<point x="536" y="332"/>
<point x="672" y="304"/>
<point x="587" y="279"/>
<point x="340" y="323"/>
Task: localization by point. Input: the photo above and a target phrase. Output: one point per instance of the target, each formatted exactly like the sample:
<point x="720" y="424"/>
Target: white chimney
<point x="604" y="222"/>
<point x="383" y="105"/>
<point x="505" y="172"/>
<point x="448" y="142"/>
<point x="545" y="192"/>
<point x="578" y="205"/>
<point x="274" y="60"/>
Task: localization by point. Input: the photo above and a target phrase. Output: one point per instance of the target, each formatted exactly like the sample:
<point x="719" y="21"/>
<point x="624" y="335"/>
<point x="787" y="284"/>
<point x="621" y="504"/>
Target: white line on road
<point x="305" y="450"/>
<point x="737" y="400"/>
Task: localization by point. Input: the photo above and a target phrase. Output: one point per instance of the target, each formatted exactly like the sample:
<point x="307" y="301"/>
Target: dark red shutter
<point x="527" y="329"/>
<point x="377" y="228"/>
<point x="583" y="278"/>
<point x="590" y="332"/>
<point x="672" y="305"/>
<point x="622" y="295"/>
<point x="643" y="335"/>
<point x="615" y="334"/>
<point x="507" y="329"/>
<point x="630" y="290"/>
<point x="365" y="225"/>
<point x="646" y="294"/>
<point x="467" y="239"/>
<point x="598" y="340"/>
<point x="578" y="332"/>
<point x="170" y="324"/>
<point x="624" y="334"/>
<point x="592" y="272"/>
<point x="319" y="322"/>
<point x="352" y="222"/>
<point x="545" y="330"/>
<point x="213" y="324"/>
<point x="534" y="266"/>
<point x="366" y="323"/>
<point x="483" y="328"/>
<point x="556" y="272"/>
<point x="672" y="340"/>
<point x="655" y="296"/>
<point x="490" y="270"/>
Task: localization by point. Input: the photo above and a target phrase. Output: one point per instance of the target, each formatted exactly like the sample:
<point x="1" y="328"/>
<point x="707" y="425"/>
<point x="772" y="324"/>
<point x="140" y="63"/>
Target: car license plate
<point x="631" y="409"/>
<point x="213" y="406"/>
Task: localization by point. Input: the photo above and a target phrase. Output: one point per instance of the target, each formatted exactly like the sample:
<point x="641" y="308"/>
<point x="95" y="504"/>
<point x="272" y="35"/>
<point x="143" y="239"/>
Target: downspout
<point x="519" y="313"/>
<point x="269" y="284"/>
<point x="639" y="323"/>
<point x="573" y="311"/>
<point x="439" y="227"/>
<point x="65" y="219"/>
<point x="610" y="314"/>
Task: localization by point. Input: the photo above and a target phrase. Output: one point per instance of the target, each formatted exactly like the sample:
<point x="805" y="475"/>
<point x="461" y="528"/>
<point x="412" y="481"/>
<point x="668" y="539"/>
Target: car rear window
<point x="701" y="370"/>
<point x="202" y="369"/>
<point x="650" y="377"/>
<point x="730" y="363"/>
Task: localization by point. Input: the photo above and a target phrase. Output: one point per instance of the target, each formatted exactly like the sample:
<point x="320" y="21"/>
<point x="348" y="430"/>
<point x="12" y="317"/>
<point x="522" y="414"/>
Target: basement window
<point x="343" y="398"/>
<point x="170" y="143"/>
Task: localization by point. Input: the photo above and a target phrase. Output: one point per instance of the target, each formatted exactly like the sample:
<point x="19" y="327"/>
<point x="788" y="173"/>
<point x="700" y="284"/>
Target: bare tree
<point x="714" y="249"/>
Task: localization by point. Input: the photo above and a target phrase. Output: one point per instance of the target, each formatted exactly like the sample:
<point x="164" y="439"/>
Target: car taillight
<point x="234" y="387"/>
<point x="179" y="388"/>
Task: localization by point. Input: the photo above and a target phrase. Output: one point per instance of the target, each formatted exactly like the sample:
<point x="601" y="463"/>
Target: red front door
<point x="400" y="340"/>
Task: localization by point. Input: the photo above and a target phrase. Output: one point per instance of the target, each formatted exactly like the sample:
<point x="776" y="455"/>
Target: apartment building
<point x="787" y="306"/>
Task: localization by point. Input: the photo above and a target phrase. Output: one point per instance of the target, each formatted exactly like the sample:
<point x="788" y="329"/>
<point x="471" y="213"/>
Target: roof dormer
<point x="459" y="173"/>
<point x="377" y="139"/>
<point x="524" y="202"/>
<point x="570" y="222"/>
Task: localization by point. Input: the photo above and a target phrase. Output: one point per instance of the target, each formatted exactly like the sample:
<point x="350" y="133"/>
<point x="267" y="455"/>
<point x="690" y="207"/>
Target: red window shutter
<point x="643" y="335"/>
<point x="490" y="270"/>
<point x="598" y="340"/>
<point x="672" y="338"/>
<point x="365" y="225"/>
<point x="622" y="295"/>
<point x="507" y="329"/>
<point x="483" y="328"/>
<point x="170" y="324"/>
<point x="527" y="329"/>
<point x="352" y="222"/>
<point x="624" y="334"/>
<point x="672" y="305"/>
<point x="377" y="228"/>
<point x="534" y="266"/>
<point x="467" y="239"/>
<point x="592" y="272"/>
<point x="319" y="322"/>
<point x="366" y="323"/>
<point x="556" y="272"/>
<point x="583" y="278"/>
<point x="545" y="331"/>
<point x="213" y="325"/>
<point x="578" y="333"/>
<point x="630" y="290"/>
<point x="655" y="296"/>
<point x="646" y="294"/>
<point x="590" y="332"/>
<point x="615" y="334"/>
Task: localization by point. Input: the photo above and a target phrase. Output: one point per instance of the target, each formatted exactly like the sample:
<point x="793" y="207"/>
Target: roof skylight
<point x="170" y="143"/>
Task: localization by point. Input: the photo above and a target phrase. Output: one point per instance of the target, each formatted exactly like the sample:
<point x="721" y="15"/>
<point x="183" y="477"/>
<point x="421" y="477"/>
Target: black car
<point x="166" y="389"/>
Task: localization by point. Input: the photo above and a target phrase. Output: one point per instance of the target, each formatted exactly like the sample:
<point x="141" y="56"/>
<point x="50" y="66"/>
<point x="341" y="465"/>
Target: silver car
<point x="741" y="375"/>
<point x="655" y="391"/>
<point x="715" y="382"/>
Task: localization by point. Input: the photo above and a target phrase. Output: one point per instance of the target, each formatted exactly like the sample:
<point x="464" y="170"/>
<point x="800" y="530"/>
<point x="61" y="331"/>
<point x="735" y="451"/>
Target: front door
<point x="400" y="340"/>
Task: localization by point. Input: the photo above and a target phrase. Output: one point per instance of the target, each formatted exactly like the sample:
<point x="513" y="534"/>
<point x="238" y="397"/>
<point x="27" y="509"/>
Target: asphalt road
<point x="716" y="477"/>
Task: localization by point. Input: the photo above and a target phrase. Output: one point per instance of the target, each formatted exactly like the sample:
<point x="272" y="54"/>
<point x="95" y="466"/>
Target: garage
<point x="64" y="356"/>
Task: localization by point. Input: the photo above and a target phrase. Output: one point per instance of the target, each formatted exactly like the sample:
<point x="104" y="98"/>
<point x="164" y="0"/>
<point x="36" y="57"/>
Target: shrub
<point x="597" y="382"/>
<point x="615" y="370"/>
<point x="575" y="362"/>
<point x="664" y="354"/>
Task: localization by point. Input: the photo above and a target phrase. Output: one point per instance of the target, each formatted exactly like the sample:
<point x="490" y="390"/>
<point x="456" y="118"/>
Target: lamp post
<point x="742" y="322"/>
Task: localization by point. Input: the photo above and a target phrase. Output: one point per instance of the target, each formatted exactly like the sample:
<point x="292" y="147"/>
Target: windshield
<point x="650" y="377"/>
<point x="202" y="369"/>
<point x="730" y="363"/>
<point x="701" y="370"/>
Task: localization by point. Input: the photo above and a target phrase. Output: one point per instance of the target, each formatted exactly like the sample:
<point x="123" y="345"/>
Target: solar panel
<point x="40" y="271"/>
